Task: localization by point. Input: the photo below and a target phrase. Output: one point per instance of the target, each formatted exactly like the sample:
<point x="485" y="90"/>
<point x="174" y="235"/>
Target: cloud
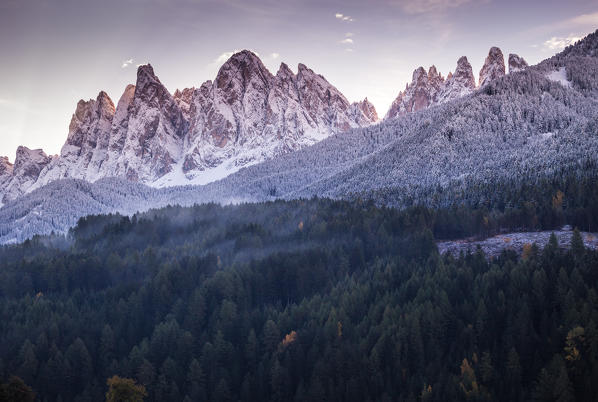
<point x="127" y="63"/>
<point x="559" y="43"/>
<point x="430" y="6"/>
<point x="347" y="41"/>
<point x="274" y="55"/>
<point x="584" y="20"/>
<point x="580" y="24"/>
<point x="224" y="57"/>
<point x="343" y="17"/>
<point x="349" y="34"/>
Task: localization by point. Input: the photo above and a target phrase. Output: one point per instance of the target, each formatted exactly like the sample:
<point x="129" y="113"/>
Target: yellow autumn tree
<point x="124" y="390"/>
<point x="557" y="200"/>
<point x="469" y="383"/>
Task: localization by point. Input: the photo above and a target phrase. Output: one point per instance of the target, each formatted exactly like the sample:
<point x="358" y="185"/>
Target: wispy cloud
<point x="127" y="63"/>
<point x="342" y="17"/>
<point x="580" y="24"/>
<point x="274" y="55"/>
<point x="224" y="57"/>
<point x="584" y="20"/>
<point x="559" y="43"/>
<point x="347" y="41"/>
<point x="13" y="104"/>
<point x="429" y="6"/>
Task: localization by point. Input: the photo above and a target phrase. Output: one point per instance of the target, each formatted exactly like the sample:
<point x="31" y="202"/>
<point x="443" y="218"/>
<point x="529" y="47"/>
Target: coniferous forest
<point x="306" y="300"/>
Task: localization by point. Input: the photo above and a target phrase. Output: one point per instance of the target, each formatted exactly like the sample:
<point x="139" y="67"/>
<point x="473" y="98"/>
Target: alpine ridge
<point x="196" y="135"/>
<point x="431" y="88"/>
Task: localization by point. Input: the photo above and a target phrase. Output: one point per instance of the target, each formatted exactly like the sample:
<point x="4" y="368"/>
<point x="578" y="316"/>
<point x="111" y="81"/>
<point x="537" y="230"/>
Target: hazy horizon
<point x="57" y="52"/>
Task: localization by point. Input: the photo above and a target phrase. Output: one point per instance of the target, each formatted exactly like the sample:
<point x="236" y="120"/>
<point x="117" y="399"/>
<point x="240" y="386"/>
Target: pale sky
<point x="55" y="52"/>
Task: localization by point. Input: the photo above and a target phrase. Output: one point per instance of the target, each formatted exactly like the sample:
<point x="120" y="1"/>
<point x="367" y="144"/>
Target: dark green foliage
<point x="301" y="300"/>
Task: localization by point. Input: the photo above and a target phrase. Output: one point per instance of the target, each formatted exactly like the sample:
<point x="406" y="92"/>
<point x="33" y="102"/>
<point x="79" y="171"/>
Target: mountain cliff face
<point x="493" y="68"/>
<point x="428" y="89"/>
<point x="248" y="115"/>
<point x="459" y="83"/>
<point x="25" y="172"/>
<point x="420" y="94"/>
<point x="516" y="63"/>
<point x="197" y="135"/>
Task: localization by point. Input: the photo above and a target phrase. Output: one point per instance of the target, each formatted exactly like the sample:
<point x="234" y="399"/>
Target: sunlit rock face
<point x="430" y="88"/>
<point x="493" y="68"/>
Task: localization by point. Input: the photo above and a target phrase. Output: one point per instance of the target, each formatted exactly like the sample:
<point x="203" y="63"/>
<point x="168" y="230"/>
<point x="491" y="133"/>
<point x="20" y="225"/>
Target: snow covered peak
<point x="419" y="75"/>
<point x="198" y="135"/>
<point x="494" y="66"/>
<point x="91" y="119"/>
<point x="459" y="84"/>
<point x="433" y="74"/>
<point x="29" y="162"/>
<point x="28" y="165"/>
<point x="418" y="95"/>
<point x="427" y="89"/>
<point x="145" y="73"/>
<point x="364" y="112"/>
<point x="463" y="64"/>
<point x="241" y="71"/>
<point x="284" y="72"/>
<point x="516" y="63"/>
<point x="183" y="99"/>
<point x="5" y="166"/>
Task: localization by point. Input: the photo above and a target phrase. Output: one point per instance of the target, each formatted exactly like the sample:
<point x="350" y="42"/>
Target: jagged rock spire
<point x="494" y="66"/>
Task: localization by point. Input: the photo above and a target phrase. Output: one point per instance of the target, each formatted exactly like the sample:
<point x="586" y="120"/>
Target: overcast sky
<point x="55" y="52"/>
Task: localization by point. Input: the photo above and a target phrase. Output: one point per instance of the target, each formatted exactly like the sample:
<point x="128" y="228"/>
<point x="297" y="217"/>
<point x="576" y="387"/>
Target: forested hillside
<point x="299" y="300"/>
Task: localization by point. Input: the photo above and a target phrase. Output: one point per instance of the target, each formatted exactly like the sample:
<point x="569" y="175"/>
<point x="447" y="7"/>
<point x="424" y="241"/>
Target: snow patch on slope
<point x="559" y="76"/>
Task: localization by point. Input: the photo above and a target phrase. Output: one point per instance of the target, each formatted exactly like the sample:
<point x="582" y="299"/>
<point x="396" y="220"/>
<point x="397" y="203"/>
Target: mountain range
<point x="198" y="135"/>
<point x="441" y="142"/>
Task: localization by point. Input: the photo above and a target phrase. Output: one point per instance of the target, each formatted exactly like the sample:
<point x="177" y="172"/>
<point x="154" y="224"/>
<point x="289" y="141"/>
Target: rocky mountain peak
<point x="419" y="76"/>
<point x="463" y="75"/>
<point x="459" y="84"/>
<point x="145" y="74"/>
<point x="322" y="101"/>
<point x="516" y="63"/>
<point x="493" y="68"/>
<point x="184" y="99"/>
<point x="364" y="112"/>
<point x="430" y="88"/>
<point x="419" y="94"/>
<point x="433" y="74"/>
<point x="91" y="118"/>
<point x="284" y="72"/>
<point x="242" y="71"/>
<point x="29" y="162"/>
<point x="5" y="166"/>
